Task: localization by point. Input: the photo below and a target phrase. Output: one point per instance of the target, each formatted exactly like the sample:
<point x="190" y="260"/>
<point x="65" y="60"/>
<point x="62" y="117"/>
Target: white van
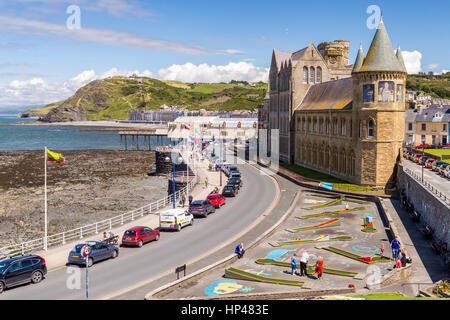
<point x="175" y="219"/>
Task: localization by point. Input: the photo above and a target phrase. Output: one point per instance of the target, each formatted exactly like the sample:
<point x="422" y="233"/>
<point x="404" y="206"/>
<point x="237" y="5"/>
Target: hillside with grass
<point x="437" y="86"/>
<point x="113" y="98"/>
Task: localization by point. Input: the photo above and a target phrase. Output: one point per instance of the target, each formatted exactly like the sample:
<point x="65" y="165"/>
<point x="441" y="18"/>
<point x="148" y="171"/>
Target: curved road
<point x="135" y="265"/>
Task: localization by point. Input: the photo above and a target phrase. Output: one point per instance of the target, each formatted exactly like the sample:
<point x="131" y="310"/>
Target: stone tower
<point x="379" y="83"/>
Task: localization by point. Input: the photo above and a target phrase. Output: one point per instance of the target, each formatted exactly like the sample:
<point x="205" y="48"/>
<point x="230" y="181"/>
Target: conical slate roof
<point x="400" y="59"/>
<point x="381" y="56"/>
<point x="359" y="59"/>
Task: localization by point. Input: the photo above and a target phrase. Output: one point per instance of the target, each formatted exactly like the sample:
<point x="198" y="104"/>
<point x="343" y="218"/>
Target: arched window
<point x="305" y="74"/>
<point x="312" y="75"/>
<point x="319" y="75"/>
<point x="370" y="129"/>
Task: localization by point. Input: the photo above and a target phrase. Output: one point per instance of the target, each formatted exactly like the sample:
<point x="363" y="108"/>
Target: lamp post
<point x="423" y="153"/>
<point x="173" y="177"/>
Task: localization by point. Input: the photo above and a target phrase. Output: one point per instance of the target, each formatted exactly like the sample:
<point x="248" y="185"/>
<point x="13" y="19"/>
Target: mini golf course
<point x="239" y="274"/>
<point x="330" y="223"/>
<point x="310" y="269"/>
<point x="326" y="213"/>
<point x="322" y="238"/>
<point x="357" y="257"/>
<point x="333" y="202"/>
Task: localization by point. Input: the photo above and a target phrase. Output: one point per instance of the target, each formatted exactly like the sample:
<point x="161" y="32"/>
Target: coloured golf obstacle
<point x="333" y="202"/>
<point x="326" y="213"/>
<point x="310" y="269"/>
<point x="339" y="197"/>
<point x="330" y="223"/>
<point x="234" y="273"/>
<point x="357" y="257"/>
<point x="368" y="224"/>
<point x="322" y="238"/>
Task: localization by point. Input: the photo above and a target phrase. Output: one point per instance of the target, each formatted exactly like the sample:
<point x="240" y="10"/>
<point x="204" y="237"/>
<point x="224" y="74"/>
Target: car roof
<point x="197" y="202"/>
<point x="173" y="211"/>
<point x="16" y="258"/>
<point x="213" y="195"/>
<point x="136" y="228"/>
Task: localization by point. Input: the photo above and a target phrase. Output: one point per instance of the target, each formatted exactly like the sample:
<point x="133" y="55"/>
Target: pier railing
<point x="436" y="191"/>
<point x="97" y="227"/>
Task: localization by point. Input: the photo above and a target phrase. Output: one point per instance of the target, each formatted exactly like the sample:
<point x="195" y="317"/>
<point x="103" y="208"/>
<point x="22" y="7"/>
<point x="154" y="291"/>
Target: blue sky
<point x="41" y="60"/>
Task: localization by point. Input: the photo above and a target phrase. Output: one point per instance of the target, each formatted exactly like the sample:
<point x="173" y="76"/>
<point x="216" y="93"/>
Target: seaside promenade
<point x="56" y="258"/>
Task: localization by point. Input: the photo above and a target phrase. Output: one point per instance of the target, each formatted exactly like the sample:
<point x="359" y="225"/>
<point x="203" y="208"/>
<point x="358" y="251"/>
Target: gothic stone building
<point x="340" y="119"/>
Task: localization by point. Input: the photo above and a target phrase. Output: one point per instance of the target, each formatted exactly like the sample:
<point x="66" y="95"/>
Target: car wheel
<point x="36" y="277"/>
<point x="179" y="227"/>
<point x="90" y="262"/>
<point x="192" y="222"/>
<point x="2" y="286"/>
<point x="114" y="254"/>
<point x="140" y="244"/>
<point x="157" y="237"/>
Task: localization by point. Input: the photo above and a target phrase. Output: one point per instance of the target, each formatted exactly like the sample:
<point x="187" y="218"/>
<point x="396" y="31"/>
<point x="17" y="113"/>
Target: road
<point x="135" y="265"/>
<point x="440" y="182"/>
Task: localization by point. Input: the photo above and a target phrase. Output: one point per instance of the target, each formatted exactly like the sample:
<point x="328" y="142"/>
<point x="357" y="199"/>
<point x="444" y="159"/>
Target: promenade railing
<point x="100" y="226"/>
<point x="436" y="191"/>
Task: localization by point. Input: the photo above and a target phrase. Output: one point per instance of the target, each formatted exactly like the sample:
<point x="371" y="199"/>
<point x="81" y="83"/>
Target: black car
<point x="237" y="182"/>
<point x="20" y="270"/>
<point x="100" y="251"/>
<point x="201" y="208"/>
<point x="230" y="190"/>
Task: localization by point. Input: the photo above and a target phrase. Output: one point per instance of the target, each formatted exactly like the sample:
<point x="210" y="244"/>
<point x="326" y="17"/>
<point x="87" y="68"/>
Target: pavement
<point x="440" y="182"/>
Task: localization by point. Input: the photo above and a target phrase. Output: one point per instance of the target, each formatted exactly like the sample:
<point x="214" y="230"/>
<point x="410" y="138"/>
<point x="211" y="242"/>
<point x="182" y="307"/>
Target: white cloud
<point x="413" y="62"/>
<point x="189" y="72"/>
<point x="432" y="66"/>
<point x="443" y="71"/>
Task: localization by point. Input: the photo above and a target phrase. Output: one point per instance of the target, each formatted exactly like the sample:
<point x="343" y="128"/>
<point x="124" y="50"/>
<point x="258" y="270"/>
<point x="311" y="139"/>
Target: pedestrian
<point x="104" y="236"/>
<point x="319" y="267"/>
<point x="183" y="199"/>
<point x="404" y="258"/>
<point x="303" y="262"/>
<point x="206" y="182"/>
<point x="395" y="245"/>
<point x="398" y="263"/>
<point x="240" y="250"/>
<point x="293" y="264"/>
<point x="382" y="250"/>
<point x="190" y="199"/>
<point x="400" y="254"/>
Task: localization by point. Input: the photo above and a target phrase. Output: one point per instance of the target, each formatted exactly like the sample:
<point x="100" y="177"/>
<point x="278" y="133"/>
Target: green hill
<point x="438" y="86"/>
<point x="112" y="98"/>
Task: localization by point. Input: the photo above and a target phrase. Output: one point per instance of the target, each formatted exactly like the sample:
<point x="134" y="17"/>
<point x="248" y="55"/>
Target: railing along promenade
<point x="429" y="186"/>
<point x="97" y="227"/>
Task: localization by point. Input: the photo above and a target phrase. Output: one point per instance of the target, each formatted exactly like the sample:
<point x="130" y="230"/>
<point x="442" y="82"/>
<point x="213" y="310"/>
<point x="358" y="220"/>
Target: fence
<point x="95" y="228"/>
<point x="429" y="186"/>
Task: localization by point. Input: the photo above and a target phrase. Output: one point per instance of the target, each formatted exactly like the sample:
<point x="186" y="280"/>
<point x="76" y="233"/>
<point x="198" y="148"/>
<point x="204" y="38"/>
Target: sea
<point x="31" y="137"/>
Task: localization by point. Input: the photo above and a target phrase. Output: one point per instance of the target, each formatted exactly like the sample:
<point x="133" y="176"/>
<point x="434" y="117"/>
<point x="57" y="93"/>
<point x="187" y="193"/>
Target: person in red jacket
<point x="319" y="267"/>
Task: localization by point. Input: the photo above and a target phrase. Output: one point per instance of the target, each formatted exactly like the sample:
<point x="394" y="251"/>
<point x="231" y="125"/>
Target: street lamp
<point x="180" y="159"/>
<point x="220" y="162"/>
<point x="423" y="153"/>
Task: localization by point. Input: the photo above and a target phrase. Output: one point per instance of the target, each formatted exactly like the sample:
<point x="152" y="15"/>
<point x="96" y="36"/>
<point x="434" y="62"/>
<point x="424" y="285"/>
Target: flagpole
<point x="45" y="198"/>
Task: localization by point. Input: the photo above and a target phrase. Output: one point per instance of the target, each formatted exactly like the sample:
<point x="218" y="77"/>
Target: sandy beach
<point x="90" y="185"/>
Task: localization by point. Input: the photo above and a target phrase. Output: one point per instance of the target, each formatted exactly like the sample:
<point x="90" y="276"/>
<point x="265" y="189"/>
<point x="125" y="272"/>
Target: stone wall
<point x="433" y="211"/>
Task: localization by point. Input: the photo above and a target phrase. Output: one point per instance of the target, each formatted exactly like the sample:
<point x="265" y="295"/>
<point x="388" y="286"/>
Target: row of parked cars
<point x="440" y="167"/>
<point x="24" y="269"/>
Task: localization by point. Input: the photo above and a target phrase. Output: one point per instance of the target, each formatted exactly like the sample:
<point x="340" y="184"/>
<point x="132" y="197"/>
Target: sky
<point x="50" y="48"/>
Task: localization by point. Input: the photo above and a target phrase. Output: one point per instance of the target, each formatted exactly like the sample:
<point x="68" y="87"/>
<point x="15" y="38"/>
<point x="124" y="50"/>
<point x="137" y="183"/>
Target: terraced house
<point x="344" y="120"/>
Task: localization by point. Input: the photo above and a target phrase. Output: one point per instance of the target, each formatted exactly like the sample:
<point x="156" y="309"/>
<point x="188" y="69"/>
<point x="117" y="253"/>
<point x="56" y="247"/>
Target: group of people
<point x="183" y="199"/>
<point x="399" y="254"/>
<point x="213" y="166"/>
<point x="304" y="258"/>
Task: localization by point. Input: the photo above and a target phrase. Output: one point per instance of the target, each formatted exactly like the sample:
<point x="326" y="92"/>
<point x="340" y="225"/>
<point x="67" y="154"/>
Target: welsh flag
<point x="53" y="156"/>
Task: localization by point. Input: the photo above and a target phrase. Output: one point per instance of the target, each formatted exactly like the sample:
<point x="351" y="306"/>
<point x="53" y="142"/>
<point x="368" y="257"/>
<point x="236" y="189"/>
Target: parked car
<point x="201" y="208"/>
<point x="229" y="191"/>
<point x="217" y="200"/>
<point x="237" y="182"/>
<point x="23" y="269"/>
<point x="235" y="174"/>
<point x="423" y="159"/>
<point x="442" y="168"/>
<point x="443" y="145"/>
<point x="230" y="170"/>
<point x="100" y="251"/>
<point x="423" y="146"/>
<point x="417" y="157"/>
<point x="447" y="172"/>
<point x="436" y="165"/>
<point x="406" y="153"/>
<point x="412" y="155"/>
<point x="429" y="163"/>
<point x="137" y="236"/>
<point x="175" y="219"/>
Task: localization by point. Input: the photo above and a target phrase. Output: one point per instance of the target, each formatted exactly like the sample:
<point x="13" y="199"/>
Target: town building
<point x="344" y="120"/>
<point x="429" y="125"/>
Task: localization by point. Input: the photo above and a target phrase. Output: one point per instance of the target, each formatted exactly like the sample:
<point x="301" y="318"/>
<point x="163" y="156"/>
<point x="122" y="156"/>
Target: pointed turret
<point x="381" y="56"/>
<point x="359" y="59"/>
<point x="400" y="59"/>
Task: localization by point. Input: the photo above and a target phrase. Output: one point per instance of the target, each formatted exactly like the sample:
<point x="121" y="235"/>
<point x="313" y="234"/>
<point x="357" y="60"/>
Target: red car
<point x="137" y="236"/>
<point x="417" y="157"/>
<point x="443" y="145"/>
<point x="422" y="146"/>
<point x="217" y="200"/>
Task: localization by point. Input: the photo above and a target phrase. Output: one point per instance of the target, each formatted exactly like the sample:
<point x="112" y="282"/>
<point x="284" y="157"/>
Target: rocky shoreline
<point x="91" y="185"/>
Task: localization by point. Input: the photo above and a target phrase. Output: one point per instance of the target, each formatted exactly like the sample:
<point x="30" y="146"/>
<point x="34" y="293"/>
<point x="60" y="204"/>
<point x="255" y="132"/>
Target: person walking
<point x="190" y="199"/>
<point x="183" y="199"/>
<point x="293" y="264"/>
<point x="240" y="250"/>
<point x="395" y="245"/>
<point x="303" y="263"/>
<point x="319" y="267"/>
<point x="404" y="258"/>
<point x="206" y="182"/>
<point x="382" y="250"/>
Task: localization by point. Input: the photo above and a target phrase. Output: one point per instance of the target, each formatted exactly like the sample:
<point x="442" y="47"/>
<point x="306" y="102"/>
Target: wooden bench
<point x="112" y="240"/>
<point x="427" y="232"/>
<point x="415" y="216"/>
